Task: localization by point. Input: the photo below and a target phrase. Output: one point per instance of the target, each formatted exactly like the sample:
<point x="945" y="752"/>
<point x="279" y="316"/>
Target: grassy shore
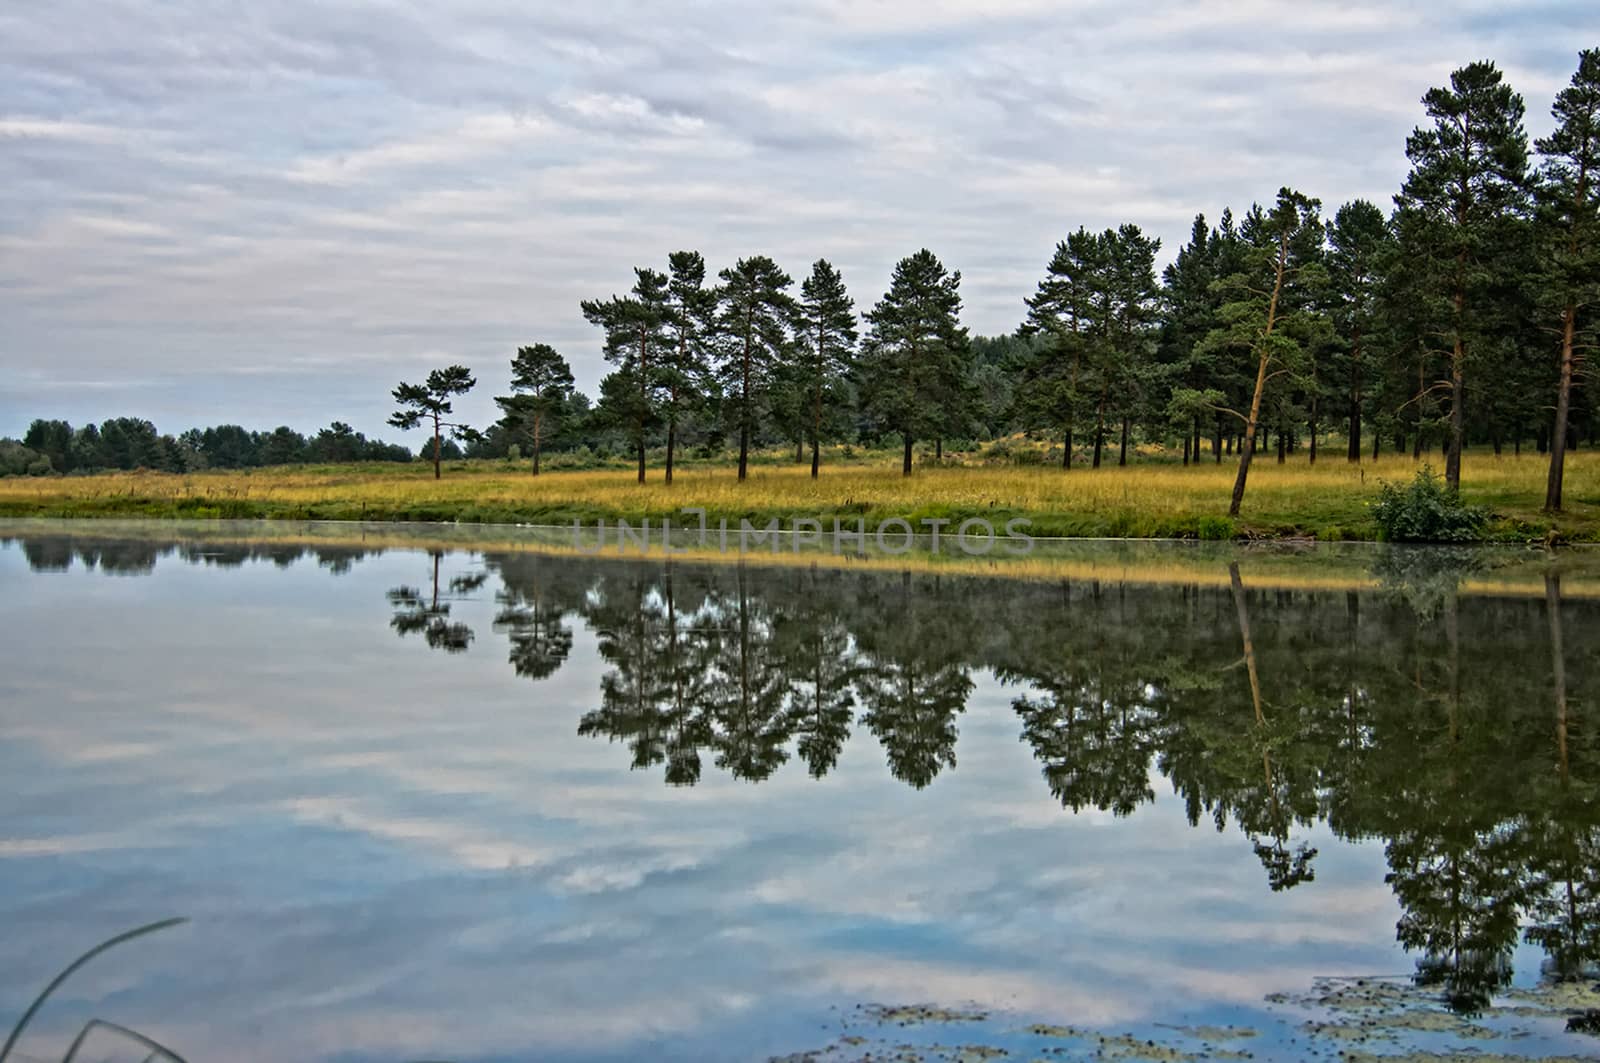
<point x="1330" y="500"/>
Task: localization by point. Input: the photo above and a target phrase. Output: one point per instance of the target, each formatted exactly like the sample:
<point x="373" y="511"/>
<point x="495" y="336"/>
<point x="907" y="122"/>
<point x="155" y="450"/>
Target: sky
<point x="273" y="213"/>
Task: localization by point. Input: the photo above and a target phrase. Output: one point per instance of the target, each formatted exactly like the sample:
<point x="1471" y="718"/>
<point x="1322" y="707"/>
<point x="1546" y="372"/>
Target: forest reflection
<point x="1456" y="731"/>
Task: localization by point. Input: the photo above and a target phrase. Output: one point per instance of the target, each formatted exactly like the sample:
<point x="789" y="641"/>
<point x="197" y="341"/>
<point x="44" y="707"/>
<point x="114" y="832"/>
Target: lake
<point x="425" y="799"/>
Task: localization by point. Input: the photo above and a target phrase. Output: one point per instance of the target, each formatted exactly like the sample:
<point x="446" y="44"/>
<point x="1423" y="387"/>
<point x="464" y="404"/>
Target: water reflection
<point x="1452" y="729"/>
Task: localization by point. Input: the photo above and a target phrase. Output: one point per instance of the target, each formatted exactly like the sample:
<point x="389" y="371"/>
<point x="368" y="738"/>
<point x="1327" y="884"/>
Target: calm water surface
<point x="506" y="806"/>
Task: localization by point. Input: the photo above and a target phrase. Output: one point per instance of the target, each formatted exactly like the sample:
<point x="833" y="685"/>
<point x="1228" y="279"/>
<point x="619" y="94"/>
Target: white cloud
<point x="218" y="191"/>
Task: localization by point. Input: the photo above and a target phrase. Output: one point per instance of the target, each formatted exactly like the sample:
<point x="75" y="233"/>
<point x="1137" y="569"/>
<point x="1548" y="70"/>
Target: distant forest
<point x="1462" y="316"/>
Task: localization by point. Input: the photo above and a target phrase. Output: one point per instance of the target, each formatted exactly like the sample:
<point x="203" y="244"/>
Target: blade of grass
<point x="71" y="969"/>
<point x="156" y="1047"/>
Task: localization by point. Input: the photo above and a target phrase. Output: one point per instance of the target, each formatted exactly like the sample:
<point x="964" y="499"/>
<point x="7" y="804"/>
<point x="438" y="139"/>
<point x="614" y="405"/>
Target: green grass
<point x="1148" y="499"/>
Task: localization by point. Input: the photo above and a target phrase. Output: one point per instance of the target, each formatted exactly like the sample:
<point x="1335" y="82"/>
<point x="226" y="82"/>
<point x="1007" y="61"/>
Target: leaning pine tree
<point x="827" y="339"/>
<point x="916" y="350"/>
<point x="1268" y="312"/>
<point x="1568" y="199"/>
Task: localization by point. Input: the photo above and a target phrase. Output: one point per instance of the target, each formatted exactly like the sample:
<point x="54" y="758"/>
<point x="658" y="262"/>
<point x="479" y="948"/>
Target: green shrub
<point x="1426" y="511"/>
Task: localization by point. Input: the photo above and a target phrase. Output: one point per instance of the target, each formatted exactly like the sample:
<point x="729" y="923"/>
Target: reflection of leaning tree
<point x="429" y="614"/>
<point x="1280" y="801"/>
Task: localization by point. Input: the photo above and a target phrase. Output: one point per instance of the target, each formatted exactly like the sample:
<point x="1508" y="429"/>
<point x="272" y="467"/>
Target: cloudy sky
<point x="269" y="213"/>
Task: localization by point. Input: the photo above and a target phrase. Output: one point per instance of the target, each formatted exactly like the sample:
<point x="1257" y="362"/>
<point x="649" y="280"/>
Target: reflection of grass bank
<point x="1330" y="500"/>
<point x="1321" y="567"/>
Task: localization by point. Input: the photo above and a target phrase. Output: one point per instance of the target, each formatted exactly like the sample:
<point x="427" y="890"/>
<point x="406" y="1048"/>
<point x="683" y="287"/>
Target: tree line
<point x="1462" y="315"/>
<point x="135" y="443"/>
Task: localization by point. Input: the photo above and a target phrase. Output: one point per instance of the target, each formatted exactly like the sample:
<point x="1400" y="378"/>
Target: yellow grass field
<point x="1329" y="500"/>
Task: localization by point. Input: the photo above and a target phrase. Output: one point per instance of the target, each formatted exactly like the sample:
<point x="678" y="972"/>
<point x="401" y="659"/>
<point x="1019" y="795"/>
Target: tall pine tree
<point x="541" y="382"/>
<point x="1358" y="240"/>
<point x="915" y="350"/>
<point x="635" y="329"/>
<point x="1468" y="172"/>
<point x="825" y="346"/>
<point x="1568" y="198"/>
<point x="753" y="333"/>
<point x="685" y="363"/>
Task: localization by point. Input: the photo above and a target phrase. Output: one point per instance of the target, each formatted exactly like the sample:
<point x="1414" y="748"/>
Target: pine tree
<point x="635" y="328"/>
<point x="1052" y="395"/>
<point x="431" y="401"/>
<point x="685" y="360"/>
<point x="915" y="349"/>
<point x="1201" y="380"/>
<point x="1358" y="240"/>
<point x="755" y="311"/>
<point x="1130" y="325"/>
<point x="541" y="382"/>
<point x="1268" y="310"/>
<point x="825" y="348"/>
<point x="1568" y="199"/>
<point x="1468" y="171"/>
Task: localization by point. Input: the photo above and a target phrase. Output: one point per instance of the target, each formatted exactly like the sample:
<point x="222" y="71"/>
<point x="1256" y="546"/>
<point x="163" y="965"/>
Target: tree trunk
<point x="744" y="402"/>
<point x="816" y="431"/>
<point x="1243" y="611"/>
<point x="1422" y="371"/>
<point x="1066" y="451"/>
<point x="905" y="464"/>
<point x="799" y="450"/>
<point x="1282" y="444"/>
<point x="1458" y="400"/>
<point x="1216" y="441"/>
<point x="1099" y="428"/>
<point x="1312" y="452"/>
<point x="938" y="448"/>
<point x="641" y="456"/>
<point x="1122" y="456"/>
<point x="436" y="448"/>
<point x="1185" y="448"/>
<point x="538" y="431"/>
<point x="1558" y="437"/>
<point x="1261" y="380"/>
<point x="1353" y="449"/>
<point x="672" y="443"/>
